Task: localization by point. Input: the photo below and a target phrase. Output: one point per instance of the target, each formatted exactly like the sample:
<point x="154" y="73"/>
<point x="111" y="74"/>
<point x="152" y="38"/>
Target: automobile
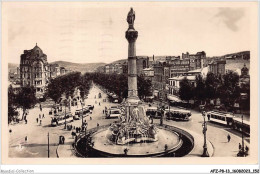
<point x="113" y="113"/>
<point x="91" y="107"/>
<point x="113" y="107"/>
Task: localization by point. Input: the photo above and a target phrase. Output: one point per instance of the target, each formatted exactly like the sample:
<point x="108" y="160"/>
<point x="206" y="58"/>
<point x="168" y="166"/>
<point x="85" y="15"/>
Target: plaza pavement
<point x="36" y="146"/>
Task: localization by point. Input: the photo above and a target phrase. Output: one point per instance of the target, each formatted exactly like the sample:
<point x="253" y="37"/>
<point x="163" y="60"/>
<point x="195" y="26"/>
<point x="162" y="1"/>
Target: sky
<point x="95" y="32"/>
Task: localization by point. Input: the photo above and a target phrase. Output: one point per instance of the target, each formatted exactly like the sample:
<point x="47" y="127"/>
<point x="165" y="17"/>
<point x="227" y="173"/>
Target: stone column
<point x="131" y="35"/>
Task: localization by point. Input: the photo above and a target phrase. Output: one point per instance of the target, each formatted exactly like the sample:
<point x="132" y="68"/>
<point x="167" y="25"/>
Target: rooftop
<point x="179" y="78"/>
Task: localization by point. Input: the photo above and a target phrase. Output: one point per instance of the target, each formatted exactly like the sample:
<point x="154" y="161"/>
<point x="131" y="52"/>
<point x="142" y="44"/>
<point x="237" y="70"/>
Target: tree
<point x="65" y="84"/>
<point x="199" y="90"/>
<point x="186" y="90"/>
<point x="12" y="109"/>
<point x="85" y="84"/>
<point x="144" y="87"/>
<point x="230" y="90"/>
<point x="26" y="99"/>
<point x="212" y="84"/>
<point x="117" y="83"/>
<point x="245" y="103"/>
<point x="54" y="90"/>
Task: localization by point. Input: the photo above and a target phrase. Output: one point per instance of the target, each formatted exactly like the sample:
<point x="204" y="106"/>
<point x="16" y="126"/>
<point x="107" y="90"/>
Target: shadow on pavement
<point x="35" y="145"/>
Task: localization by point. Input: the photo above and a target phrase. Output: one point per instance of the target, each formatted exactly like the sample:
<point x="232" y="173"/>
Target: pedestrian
<point x="39" y="116"/>
<point x="228" y="138"/>
<point x="37" y="120"/>
<point x="63" y="139"/>
<point x="42" y="115"/>
<point x="10" y="130"/>
<point x="239" y="146"/>
<point x="103" y="111"/>
<point x="99" y="103"/>
<point x="125" y="151"/>
<point x="97" y="125"/>
<point x="25" y="138"/>
<point x="165" y="147"/>
<point x="40" y="107"/>
<point x="40" y="122"/>
<point x="90" y="118"/>
<point x="247" y="149"/>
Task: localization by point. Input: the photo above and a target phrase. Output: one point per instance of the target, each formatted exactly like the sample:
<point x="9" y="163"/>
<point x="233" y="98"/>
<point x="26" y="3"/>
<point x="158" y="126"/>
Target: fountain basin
<point x="179" y="143"/>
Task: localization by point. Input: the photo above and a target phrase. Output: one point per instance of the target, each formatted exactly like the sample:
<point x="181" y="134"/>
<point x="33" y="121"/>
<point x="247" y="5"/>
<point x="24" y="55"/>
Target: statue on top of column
<point x="131" y="18"/>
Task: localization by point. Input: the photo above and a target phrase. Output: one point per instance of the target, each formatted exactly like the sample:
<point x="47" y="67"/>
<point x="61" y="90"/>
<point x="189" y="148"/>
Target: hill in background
<point x="12" y="67"/>
<point x="81" y="67"/>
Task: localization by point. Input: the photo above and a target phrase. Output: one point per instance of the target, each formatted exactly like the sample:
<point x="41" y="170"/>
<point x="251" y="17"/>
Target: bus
<point x="60" y="119"/>
<point x="237" y="125"/>
<point x="220" y="117"/>
<point x="153" y="112"/>
<point x="177" y="114"/>
<point x="113" y="113"/>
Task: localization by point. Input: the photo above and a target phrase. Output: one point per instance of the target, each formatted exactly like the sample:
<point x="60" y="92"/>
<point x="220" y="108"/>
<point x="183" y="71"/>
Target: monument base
<point x="134" y="125"/>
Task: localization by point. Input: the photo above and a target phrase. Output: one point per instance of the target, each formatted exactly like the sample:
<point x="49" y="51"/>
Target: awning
<point x="174" y="98"/>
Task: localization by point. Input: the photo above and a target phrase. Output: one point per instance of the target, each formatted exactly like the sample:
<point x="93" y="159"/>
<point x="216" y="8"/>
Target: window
<point x="144" y="64"/>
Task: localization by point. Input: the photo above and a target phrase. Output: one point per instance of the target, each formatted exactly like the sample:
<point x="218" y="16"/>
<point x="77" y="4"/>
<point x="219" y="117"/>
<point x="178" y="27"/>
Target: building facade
<point x="178" y="67"/>
<point x="217" y="67"/>
<point x="174" y="86"/>
<point x="54" y="70"/>
<point x="142" y="62"/>
<point x="34" y="70"/>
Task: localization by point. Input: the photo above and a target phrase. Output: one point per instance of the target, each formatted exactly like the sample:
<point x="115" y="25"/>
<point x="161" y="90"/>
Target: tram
<point x="153" y="112"/>
<point x="60" y="119"/>
<point x="177" y="114"/>
<point x="78" y="113"/>
<point x="220" y="117"/>
<point x="237" y="125"/>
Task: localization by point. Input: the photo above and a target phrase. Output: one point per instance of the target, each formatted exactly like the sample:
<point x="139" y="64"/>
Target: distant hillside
<point x="150" y="58"/>
<point x="119" y="61"/>
<point x="235" y="65"/>
<point x="239" y="55"/>
<point x="12" y="67"/>
<point x="81" y="67"/>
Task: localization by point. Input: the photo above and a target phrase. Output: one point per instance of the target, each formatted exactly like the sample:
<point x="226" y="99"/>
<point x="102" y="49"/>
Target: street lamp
<point x="65" y="103"/>
<point x="48" y="145"/>
<point x="82" y="115"/>
<point x="161" y="111"/>
<point x="241" y="152"/>
<point x="204" y="126"/>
